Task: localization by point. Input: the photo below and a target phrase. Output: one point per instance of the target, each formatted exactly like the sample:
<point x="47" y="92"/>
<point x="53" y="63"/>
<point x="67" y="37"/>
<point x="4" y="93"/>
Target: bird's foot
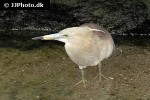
<point x="84" y="81"/>
<point x="100" y="75"/>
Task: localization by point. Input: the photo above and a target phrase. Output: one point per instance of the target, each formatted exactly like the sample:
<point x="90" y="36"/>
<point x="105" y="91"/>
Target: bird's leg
<point x="82" y="77"/>
<point x="100" y="75"/>
<point x="100" y="71"/>
<point x="83" y="80"/>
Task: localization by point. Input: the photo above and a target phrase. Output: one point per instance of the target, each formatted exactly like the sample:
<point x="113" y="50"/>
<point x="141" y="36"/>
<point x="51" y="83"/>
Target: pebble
<point x="22" y="70"/>
<point x="111" y="78"/>
<point x="37" y="96"/>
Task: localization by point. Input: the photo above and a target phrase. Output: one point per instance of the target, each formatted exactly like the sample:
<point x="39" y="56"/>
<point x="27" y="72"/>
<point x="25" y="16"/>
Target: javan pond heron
<point x="86" y="45"/>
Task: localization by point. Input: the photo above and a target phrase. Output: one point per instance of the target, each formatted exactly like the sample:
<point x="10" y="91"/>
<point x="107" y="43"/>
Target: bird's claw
<point x="100" y="77"/>
<point x="84" y="81"/>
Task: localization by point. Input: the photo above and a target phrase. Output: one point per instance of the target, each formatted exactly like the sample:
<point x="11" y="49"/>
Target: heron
<point x="86" y="45"/>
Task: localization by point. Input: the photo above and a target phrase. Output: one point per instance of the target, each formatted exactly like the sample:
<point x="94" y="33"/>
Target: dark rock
<point x="115" y="15"/>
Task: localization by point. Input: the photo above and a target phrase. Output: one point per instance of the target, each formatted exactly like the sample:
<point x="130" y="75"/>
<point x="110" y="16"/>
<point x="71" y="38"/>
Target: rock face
<point x="117" y="16"/>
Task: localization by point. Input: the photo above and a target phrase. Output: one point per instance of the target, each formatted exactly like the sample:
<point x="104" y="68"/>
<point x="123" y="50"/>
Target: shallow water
<point x="36" y="70"/>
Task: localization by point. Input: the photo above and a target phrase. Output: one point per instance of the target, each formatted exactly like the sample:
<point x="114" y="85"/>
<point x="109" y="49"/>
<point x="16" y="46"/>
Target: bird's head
<point x="67" y="35"/>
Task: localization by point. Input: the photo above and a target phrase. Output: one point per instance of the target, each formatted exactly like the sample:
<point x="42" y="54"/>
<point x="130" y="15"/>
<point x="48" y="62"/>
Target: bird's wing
<point x="94" y="26"/>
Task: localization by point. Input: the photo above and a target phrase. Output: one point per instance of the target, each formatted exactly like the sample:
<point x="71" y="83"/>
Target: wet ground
<point x="46" y="72"/>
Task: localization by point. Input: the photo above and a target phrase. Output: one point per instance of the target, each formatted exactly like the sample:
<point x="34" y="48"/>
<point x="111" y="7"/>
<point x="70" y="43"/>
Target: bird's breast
<point x="83" y="55"/>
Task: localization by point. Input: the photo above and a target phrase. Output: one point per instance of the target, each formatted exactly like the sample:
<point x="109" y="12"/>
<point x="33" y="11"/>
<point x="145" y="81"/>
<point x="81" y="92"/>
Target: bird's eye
<point x="65" y="35"/>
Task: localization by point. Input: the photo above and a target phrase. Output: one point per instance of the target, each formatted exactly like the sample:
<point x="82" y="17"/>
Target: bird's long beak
<point x="48" y="37"/>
